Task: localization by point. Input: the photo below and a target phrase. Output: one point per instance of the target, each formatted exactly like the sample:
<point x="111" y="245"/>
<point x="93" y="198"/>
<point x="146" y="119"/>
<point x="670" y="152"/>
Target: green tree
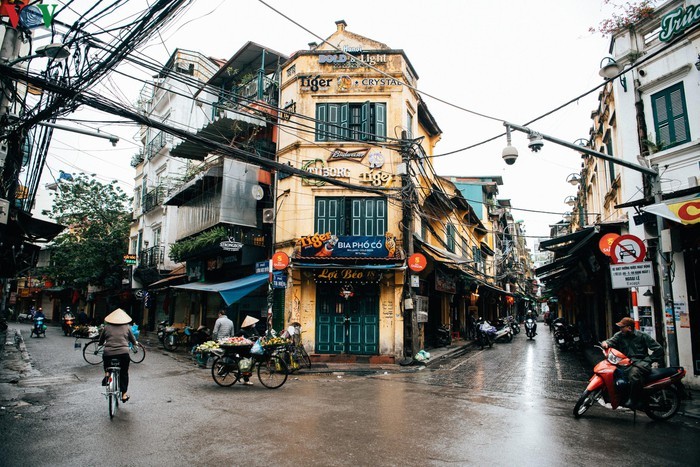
<point x="91" y="250"/>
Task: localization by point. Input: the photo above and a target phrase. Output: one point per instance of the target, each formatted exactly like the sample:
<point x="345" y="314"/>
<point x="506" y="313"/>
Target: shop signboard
<point x="445" y="282"/>
<point x="345" y="246"/>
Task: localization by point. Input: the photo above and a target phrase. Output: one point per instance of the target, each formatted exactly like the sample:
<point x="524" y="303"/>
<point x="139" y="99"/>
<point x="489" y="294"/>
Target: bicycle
<point x="112" y="391"/>
<point x="92" y="352"/>
<point x="295" y="354"/>
<point x="232" y="364"/>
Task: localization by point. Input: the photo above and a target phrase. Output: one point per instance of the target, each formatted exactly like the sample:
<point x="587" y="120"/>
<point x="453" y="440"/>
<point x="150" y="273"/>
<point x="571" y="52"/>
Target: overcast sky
<point x="511" y="60"/>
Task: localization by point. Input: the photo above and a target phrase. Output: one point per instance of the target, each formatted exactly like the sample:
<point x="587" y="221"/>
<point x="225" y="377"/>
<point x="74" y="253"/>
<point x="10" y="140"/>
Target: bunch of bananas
<point x="207" y="346"/>
<point x="275" y="341"/>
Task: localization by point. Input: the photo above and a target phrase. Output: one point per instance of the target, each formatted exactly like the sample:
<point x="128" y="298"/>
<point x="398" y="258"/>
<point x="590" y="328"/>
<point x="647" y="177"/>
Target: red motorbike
<point x="661" y="396"/>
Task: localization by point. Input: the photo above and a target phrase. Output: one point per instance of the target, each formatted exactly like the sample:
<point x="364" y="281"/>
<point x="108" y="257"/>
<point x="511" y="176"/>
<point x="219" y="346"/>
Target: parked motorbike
<point x="25" y="317"/>
<point x="160" y="331"/>
<point x="485" y="333"/>
<point x="661" y="395"/>
<point x="504" y="333"/>
<point x="3" y="323"/>
<point x="567" y="337"/>
<point x="442" y="337"/>
<point x="39" y="328"/>
<point x="67" y="323"/>
<point x="187" y="336"/>
<point x="530" y="327"/>
<point x="514" y="325"/>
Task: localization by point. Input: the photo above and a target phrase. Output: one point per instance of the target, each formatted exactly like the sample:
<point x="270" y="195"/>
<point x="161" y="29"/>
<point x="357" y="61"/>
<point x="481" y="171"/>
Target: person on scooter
<point x="636" y="345"/>
<point x="116" y="337"/>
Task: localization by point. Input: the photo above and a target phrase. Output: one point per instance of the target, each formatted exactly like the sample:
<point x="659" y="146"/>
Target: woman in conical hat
<point x="249" y="321"/>
<point x="116" y="337"/>
<point x="248" y="331"/>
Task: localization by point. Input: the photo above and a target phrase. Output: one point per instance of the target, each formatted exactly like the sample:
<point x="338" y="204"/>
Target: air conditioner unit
<point x="268" y="215"/>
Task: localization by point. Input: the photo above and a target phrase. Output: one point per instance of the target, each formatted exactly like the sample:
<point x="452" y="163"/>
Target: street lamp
<point x="573" y="179"/>
<point x="611" y="69"/>
<point x="54" y="51"/>
<point x="570" y="200"/>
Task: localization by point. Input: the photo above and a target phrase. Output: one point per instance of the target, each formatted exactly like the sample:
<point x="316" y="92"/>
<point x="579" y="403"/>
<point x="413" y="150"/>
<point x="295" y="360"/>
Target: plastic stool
<point x="455" y="335"/>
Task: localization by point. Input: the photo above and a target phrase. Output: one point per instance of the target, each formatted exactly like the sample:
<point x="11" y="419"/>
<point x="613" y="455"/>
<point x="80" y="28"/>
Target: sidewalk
<point x="689" y="407"/>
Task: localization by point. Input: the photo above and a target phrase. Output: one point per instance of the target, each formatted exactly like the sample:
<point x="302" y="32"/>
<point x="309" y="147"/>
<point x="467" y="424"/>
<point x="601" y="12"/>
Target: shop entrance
<point x="347" y="325"/>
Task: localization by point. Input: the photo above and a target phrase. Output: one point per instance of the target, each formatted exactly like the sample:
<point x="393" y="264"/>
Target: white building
<point x="656" y="121"/>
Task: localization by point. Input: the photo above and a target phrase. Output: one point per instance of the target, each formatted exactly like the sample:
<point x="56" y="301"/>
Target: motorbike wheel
<point x="509" y="338"/>
<point x="224" y="373"/>
<point x="662" y="404"/>
<point x="586" y="400"/>
<point x="171" y="342"/>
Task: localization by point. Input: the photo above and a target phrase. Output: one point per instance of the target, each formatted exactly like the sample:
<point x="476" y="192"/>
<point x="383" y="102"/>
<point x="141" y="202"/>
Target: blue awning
<point x="230" y="291"/>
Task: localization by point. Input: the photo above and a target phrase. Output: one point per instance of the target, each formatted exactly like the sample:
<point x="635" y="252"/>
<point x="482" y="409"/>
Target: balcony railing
<point x="152" y="257"/>
<point x="260" y="88"/>
<point x="153" y="199"/>
<point x="157" y="143"/>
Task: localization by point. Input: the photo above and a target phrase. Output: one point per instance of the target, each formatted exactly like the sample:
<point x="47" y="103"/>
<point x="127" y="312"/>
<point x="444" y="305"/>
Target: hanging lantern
<point x="347" y="291"/>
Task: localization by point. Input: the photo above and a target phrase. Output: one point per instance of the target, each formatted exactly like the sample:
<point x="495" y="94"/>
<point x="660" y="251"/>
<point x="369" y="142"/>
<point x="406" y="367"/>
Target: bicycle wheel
<point x="112" y="397"/>
<point x="224" y="372"/>
<point x="273" y="372"/>
<point x="137" y="353"/>
<point x="92" y="352"/>
<point x="303" y="357"/>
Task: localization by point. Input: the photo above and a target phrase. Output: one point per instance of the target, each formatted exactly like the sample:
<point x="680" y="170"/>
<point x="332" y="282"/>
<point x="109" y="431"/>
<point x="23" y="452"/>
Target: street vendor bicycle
<point x="112" y="391"/>
<point x="92" y="352"/>
<point x="233" y="363"/>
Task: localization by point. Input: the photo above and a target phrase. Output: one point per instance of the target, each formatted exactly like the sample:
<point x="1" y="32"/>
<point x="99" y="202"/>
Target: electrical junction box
<point x="4" y="210"/>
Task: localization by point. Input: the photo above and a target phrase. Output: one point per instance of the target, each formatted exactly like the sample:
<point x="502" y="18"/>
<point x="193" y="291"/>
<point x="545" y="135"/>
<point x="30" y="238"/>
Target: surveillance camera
<point x="536" y="142"/>
<point x="510" y="154"/>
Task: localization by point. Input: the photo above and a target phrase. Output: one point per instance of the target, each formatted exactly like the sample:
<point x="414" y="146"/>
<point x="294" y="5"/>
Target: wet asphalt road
<point x="510" y="405"/>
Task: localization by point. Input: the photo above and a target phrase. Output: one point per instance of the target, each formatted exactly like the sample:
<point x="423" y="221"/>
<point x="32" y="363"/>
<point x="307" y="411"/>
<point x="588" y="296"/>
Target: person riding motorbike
<point x="636" y="345"/>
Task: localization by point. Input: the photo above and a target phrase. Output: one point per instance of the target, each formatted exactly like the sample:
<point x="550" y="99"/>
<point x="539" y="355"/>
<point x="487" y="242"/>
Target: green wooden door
<point x="347" y="326"/>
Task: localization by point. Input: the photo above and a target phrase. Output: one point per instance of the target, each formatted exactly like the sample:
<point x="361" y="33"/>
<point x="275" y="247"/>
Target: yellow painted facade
<point x="323" y="79"/>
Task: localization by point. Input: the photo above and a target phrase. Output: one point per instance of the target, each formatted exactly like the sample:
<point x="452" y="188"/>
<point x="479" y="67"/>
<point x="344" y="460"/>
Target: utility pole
<point x="411" y="336"/>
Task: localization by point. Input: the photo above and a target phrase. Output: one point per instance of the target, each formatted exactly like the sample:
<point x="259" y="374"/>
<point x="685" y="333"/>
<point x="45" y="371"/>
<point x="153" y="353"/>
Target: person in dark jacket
<point x="636" y="345"/>
<point x="116" y="337"/>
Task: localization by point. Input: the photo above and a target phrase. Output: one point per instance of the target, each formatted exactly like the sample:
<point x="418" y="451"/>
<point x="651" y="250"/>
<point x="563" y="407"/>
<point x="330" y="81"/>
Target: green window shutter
<point x="333" y="122"/>
<point x="344" y="122"/>
<point x="365" y="120"/>
<point x="670" y="116"/>
<point x="321" y="117"/>
<point x="329" y="215"/>
<point x="380" y="123"/>
<point x="451" y="238"/>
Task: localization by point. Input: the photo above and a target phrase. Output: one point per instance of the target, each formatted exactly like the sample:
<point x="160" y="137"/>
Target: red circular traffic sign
<point x="417" y="262"/>
<point x="627" y="249"/>
<point x="280" y="260"/>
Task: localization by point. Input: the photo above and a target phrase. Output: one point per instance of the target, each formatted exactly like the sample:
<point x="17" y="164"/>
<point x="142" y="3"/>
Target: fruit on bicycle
<point x="207" y="346"/>
<point x="236" y="340"/>
<point x="275" y="341"/>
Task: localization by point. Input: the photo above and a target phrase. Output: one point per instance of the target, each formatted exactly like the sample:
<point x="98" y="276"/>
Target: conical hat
<point x="249" y="321"/>
<point x="118" y="316"/>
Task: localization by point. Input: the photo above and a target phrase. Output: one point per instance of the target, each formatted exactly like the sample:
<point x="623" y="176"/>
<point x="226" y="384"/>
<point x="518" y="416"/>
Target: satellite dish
<point x="258" y="192"/>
